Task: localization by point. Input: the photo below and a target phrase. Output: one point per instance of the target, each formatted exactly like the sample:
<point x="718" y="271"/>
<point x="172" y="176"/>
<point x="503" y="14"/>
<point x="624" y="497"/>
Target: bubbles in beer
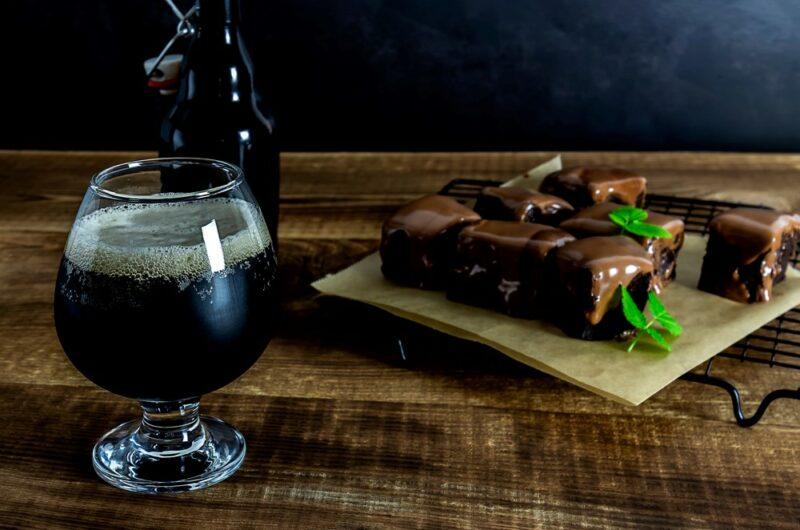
<point x="146" y="241"/>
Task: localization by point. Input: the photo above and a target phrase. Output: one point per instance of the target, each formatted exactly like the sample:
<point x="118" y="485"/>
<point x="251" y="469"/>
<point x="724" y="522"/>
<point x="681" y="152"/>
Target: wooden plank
<point x="341" y="432"/>
<point x="316" y="463"/>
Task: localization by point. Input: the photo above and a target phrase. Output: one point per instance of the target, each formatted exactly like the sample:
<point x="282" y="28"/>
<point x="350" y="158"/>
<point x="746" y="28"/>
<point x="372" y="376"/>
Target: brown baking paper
<point x="710" y="323"/>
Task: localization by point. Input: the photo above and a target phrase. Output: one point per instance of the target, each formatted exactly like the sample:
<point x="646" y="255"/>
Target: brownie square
<point x="594" y="221"/>
<point x="417" y="241"/>
<point x="522" y="205"/>
<point x="583" y="279"/>
<point x="499" y="264"/>
<point x="584" y="186"/>
<point x="748" y="252"/>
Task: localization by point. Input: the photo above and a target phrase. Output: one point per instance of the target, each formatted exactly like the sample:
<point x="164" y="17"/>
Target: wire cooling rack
<point x="776" y="345"/>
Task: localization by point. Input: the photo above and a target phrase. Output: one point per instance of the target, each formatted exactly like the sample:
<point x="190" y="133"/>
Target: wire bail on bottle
<point x="162" y="70"/>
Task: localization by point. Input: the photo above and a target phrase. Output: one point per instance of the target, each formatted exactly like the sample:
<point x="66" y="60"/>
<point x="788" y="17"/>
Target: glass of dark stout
<point x="163" y="297"/>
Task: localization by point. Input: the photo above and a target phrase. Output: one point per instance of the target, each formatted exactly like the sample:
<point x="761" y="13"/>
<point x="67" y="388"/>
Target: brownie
<point x="499" y="264"/>
<point x="584" y="186"/>
<point x="748" y="252"/>
<point x="522" y="205"/>
<point x="417" y="241"/>
<point x="582" y="285"/>
<point x="594" y="221"/>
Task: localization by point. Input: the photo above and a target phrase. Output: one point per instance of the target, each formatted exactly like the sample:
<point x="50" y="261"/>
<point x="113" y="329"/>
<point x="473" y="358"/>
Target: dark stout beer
<point x="165" y="301"/>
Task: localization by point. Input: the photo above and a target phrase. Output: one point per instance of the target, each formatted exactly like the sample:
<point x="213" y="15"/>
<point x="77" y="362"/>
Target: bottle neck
<point x="217" y="65"/>
<point x="218" y="14"/>
<point x="217" y="27"/>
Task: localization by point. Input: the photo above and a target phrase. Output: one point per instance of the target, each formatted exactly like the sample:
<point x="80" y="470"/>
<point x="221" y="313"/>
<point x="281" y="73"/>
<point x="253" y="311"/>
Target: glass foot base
<point x="129" y="458"/>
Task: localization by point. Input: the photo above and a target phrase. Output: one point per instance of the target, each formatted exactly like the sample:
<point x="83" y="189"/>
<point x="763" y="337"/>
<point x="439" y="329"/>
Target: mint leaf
<point x="631" y="213"/>
<point x="669" y="323"/>
<point x="618" y="219"/>
<point x="639" y="321"/>
<point x="630" y="219"/>
<point x="656" y="305"/>
<point x="631" y="311"/>
<point x="646" y="230"/>
<point x="662" y="316"/>
<point x="625" y="215"/>
<point x="659" y="338"/>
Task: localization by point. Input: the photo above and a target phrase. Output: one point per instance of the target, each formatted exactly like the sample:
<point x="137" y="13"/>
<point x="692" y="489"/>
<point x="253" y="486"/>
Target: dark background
<point x="430" y="74"/>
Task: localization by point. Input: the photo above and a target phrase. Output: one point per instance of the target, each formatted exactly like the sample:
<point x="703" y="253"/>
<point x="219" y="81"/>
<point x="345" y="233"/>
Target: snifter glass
<point x="165" y="293"/>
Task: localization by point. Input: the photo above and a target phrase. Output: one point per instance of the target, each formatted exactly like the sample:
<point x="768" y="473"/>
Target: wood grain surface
<point x="341" y="432"/>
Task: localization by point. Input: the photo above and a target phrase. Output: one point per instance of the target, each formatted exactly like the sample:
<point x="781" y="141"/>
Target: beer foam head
<point x="167" y="240"/>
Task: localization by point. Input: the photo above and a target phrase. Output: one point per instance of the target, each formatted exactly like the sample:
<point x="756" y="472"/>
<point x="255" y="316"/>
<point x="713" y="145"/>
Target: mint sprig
<point x="632" y="220"/>
<point x="638" y="320"/>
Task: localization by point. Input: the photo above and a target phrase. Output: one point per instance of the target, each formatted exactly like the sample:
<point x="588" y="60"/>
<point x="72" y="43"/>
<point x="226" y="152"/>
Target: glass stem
<point x="171" y="428"/>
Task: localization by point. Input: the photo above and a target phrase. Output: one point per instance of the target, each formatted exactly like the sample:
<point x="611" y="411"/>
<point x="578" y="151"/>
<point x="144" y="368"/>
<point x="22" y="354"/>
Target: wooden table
<point x="343" y="434"/>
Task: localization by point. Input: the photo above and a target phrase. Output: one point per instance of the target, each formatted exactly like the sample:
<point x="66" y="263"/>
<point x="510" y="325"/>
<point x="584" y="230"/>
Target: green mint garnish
<point x="632" y="312"/>
<point x="658" y="338"/>
<point x="628" y="214"/>
<point x="638" y="320"/>
<point x="631" y="220"/>
<point x="663" y="317"/>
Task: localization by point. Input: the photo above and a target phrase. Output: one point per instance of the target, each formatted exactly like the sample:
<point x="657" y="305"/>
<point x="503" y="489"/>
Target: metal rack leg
<point x="736" y="399"/>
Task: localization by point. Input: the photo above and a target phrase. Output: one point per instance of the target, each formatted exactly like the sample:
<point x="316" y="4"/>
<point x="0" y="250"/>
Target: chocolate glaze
<point x="523" y="205"/>
<point x="582" y="186"/>
<point x="748" y="252"/>
<point x="499" y="264"/>
<point x="417" y="241"/>
<point x="592" y="269"/>
<point x="753" y="231"/>
<point x="594" y="221"/>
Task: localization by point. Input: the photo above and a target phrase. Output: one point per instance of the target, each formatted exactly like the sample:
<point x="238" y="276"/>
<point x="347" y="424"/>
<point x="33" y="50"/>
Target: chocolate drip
<point x="523" y="205"/>
<point x="594" y="221"/>
<point x="583" y="186"/>
<point x="610" y="262"/>
<point x="500" y="264"/>
<point x="748" y="252"/>
<point x="418" y="239"/>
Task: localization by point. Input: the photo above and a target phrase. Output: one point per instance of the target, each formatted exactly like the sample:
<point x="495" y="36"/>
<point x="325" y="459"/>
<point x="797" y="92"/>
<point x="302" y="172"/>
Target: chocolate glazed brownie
<point x="499" y="264"/>
<point x="582" y="286"/>
<point x="417" y="241"/>
<point x="748" y="252"/>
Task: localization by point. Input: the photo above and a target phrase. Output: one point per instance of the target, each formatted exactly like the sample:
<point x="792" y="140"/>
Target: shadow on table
<point x="399" y="342"/>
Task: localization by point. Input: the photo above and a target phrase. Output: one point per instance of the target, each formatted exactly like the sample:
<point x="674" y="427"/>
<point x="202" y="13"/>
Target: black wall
<point x="431" y="74"/>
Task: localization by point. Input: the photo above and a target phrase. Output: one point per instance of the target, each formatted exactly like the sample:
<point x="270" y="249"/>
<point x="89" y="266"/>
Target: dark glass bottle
<point x="216" y="112"/>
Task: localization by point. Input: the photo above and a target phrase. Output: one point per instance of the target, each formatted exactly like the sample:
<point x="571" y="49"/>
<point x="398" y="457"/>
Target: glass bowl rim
<point x="135" y="166"/>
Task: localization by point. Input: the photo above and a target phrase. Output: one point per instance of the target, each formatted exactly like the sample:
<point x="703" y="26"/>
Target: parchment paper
<point x="711" y="324"/>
